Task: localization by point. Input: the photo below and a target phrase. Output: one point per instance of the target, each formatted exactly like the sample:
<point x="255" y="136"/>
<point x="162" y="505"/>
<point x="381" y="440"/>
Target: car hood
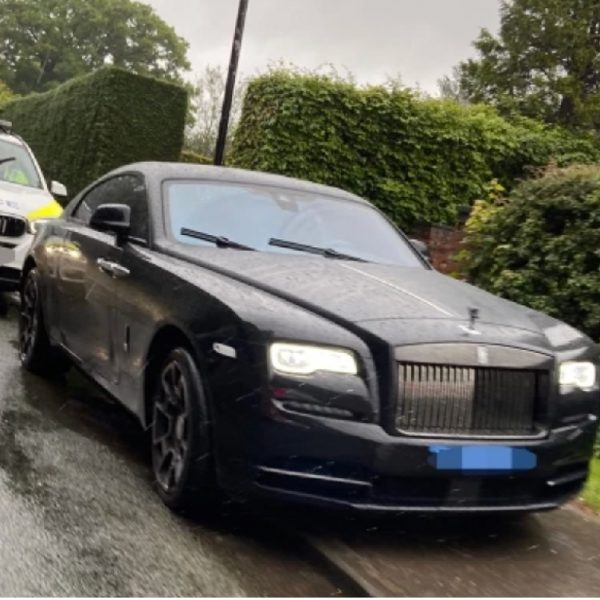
<point x="400" y="305"/>
<point x="27" y="202"/>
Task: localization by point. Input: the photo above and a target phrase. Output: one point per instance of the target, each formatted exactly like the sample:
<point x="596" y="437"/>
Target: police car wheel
<point x="36" y="353"/>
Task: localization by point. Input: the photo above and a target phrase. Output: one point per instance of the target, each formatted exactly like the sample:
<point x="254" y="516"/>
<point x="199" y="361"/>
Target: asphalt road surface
<point x="78" y="516"/>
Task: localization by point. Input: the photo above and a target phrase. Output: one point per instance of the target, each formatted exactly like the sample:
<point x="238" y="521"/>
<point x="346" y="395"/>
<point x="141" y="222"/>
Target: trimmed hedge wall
<point x="93" y="124"/>
<point x="418" y="159"/>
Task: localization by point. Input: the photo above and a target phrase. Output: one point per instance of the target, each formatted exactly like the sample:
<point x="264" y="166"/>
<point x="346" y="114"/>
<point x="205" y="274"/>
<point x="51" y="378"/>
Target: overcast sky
<point x="420" y="40"/>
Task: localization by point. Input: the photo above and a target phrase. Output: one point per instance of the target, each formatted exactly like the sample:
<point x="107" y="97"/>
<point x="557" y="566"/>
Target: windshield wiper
<point x="326" y="252"/>
<point x="218" y="241"/>
<point x="8" y="159"/>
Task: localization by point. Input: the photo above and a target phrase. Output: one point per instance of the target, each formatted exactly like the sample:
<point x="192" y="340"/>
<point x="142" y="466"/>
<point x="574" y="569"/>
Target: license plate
<point x="7" y="255"/>
<point x="482" y="458"/>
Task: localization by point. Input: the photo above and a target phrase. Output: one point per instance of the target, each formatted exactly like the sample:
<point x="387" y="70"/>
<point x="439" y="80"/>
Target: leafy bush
<point x="6" y="94"/>
<point x="93" y="124"/>
<point x="418" y="159"/>
<point x="540" y="246"/>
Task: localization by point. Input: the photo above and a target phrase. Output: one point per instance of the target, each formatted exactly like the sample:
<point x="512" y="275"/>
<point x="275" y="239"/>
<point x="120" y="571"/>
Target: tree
<point x="545" y="63"/>
<point x="46" y="42"/>
<point x="206" y="104"/>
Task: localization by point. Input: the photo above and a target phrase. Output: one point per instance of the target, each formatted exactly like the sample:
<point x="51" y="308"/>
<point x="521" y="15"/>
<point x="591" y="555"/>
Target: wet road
<point x="78" y="516"/>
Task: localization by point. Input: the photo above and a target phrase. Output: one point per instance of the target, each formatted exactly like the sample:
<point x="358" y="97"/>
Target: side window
<point x="91" y="201"/>
<point x="124" y="189"/>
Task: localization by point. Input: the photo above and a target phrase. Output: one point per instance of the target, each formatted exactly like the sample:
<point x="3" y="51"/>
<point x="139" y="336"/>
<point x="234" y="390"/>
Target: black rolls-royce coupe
<point x="284" y="339"/>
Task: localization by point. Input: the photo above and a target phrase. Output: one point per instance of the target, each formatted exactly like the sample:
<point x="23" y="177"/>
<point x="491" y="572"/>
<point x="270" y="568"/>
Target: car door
<point x="134" y="292"/>
<point x="87" y="283"/>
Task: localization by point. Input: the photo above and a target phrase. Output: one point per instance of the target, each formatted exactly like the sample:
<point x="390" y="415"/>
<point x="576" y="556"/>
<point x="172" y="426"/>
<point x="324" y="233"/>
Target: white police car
<point x="25" y="200"/>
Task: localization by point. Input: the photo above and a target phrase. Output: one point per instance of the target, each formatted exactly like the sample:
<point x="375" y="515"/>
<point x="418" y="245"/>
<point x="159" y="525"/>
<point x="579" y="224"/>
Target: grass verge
<point x="591" y="494"/>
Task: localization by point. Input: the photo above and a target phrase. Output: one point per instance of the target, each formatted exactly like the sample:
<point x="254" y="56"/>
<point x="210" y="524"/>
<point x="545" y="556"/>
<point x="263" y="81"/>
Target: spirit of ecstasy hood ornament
<point x="473" y="318"/>
<point x="471" y="328"/>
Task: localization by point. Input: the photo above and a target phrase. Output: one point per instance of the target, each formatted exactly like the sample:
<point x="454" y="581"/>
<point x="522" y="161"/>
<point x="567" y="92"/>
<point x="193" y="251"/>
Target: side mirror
<point x="112" y="218"/>
<point x="421" y="248"/>
<point x="58" y="189"/>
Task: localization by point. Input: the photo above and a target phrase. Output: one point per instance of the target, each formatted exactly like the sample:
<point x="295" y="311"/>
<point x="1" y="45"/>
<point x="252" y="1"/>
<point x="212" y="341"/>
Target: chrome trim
<point x="302" y="475"/>
<point x="465" y="354"/>
<point x="577" y="476"/>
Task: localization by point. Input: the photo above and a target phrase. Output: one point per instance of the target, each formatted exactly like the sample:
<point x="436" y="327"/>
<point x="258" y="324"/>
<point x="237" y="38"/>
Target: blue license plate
<point x="482" y="458"/>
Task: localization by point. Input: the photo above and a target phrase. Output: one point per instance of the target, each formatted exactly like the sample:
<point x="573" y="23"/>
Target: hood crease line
<point x="399" y="289"/>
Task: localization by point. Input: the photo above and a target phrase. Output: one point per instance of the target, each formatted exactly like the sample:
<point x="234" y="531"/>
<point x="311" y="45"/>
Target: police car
<point x="25" y="201"/>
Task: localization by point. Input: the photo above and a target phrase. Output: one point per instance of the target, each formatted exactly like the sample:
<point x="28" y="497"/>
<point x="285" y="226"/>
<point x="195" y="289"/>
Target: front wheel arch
<point x="164" y="341"/>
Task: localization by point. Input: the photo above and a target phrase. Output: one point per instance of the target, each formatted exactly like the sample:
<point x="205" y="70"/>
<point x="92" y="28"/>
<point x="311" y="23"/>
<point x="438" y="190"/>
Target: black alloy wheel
<point x="35" y="351"/>
<point x="29" y="321"/>
<point x="181" y="444"/>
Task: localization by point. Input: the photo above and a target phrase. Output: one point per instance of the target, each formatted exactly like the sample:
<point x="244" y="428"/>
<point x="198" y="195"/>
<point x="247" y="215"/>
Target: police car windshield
<point x="20" y="169"/>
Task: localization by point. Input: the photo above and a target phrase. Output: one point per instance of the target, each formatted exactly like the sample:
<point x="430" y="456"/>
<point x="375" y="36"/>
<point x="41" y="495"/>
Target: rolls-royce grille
<point x="468" y="401"/>
<point x="11" y="226"/>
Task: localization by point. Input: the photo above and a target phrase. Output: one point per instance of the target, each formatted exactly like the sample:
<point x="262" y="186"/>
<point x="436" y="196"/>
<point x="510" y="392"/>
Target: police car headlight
<point x="301" y="359"/>
<point x="582" y="375"/>
<point x="34" y="226"/>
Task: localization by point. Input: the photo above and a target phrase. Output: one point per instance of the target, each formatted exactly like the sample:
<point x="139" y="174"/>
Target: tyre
<point x="182" y="458"/>
<point x="35" y="351"/>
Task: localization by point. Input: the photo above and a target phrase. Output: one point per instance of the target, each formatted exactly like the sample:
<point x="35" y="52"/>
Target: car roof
<point x="13" y="139"/>
<point x="167" y="170"/>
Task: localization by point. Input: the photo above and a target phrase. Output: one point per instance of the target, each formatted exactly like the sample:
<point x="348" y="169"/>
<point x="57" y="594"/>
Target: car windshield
<point x="16" y="165"/>
<point x="272" y="219"/>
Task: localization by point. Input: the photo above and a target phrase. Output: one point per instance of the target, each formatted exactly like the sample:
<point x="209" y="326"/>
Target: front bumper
<point x="13" y="252"/>
<point x="344" y="464"/>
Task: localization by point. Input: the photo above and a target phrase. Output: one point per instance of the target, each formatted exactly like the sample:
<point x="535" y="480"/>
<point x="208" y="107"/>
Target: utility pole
<point x="231" y="77"/>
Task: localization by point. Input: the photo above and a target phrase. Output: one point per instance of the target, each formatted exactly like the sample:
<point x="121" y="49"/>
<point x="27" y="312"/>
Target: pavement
<point x="551" y="554"/>
<point x="78" y="516"/>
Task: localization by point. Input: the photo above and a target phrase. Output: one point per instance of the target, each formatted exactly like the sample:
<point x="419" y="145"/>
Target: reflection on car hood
<point x="384" y="298"/>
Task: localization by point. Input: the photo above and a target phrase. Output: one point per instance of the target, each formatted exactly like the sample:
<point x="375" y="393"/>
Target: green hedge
<point x="418" y="159"/>
<point x="93" y="124"/>
<point x="540" y="245"/>
<point x="6" y="94"/>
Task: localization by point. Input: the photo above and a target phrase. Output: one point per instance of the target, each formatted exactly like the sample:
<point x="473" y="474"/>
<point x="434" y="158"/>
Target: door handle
<point x="112" y="268"/>
<point x="105" y="266"/>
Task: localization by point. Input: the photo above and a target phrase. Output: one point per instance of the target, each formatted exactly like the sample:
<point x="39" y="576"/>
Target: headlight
<point x="33" y="226"/>
<point x="300" y="359"/>
<point x="578" y="374"/>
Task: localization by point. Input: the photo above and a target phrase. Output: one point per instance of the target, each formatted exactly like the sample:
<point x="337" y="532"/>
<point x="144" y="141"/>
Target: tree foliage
<point x="6" y="93"/>
<point x="418" y="159"/>
<point x="540" y="246"/>
<point x="206" y="102"/>
<point x="191" y="157"/>
<point x="46" y="42"/>
<point x="545" y="63"/>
